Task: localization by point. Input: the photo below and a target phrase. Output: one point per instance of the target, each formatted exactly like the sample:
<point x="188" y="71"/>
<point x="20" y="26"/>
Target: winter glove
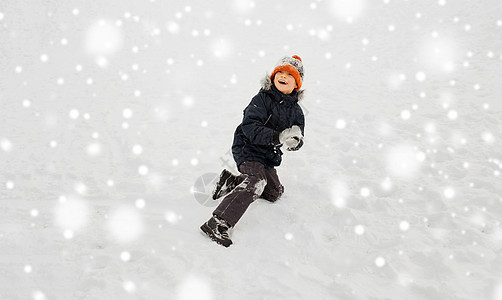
<point x="294" y="143"/>
<point x="291" y="137"/>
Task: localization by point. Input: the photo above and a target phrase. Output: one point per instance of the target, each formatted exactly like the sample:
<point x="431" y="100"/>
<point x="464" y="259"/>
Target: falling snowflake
<point x="194" y="288"/>
<point x="404" y="161"/>
<point x="125" y="225"/>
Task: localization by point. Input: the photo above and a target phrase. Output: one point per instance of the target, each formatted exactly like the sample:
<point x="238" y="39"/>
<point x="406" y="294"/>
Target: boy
<point x="272" y="119"/>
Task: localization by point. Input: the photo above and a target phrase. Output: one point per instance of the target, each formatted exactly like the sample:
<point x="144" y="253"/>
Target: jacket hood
<point x="266" y="84"/>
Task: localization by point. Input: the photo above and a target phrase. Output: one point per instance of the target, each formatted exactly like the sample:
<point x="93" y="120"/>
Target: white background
<point x="112" y="110"/>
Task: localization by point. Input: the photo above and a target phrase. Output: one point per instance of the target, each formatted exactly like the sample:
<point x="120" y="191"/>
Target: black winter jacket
<point x="269" y="111"/>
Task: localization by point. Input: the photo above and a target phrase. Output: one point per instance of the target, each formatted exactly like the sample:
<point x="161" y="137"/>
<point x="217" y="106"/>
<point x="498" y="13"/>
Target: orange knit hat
<point x="294" y="66"/>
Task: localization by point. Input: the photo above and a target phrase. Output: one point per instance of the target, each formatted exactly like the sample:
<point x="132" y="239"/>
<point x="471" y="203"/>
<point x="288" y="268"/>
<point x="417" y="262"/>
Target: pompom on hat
<point x="293" y="65"/>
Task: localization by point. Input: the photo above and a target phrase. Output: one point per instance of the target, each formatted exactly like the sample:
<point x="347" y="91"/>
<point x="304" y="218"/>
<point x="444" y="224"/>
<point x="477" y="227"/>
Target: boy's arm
<point x="300" y="121"/>
<point x="253" y="123"/>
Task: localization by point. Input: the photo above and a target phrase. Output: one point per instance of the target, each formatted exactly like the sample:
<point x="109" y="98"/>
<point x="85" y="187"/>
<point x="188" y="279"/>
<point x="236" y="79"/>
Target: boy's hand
<point x="294" y="143"/>
<point x="292" y="138"/>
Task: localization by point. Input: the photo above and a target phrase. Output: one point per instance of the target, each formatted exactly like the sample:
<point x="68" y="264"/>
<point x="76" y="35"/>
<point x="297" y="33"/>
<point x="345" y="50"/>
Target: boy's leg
<point x="226" y="183"/>
<point x="274" y="188"/>
<point x="233" y="206"/>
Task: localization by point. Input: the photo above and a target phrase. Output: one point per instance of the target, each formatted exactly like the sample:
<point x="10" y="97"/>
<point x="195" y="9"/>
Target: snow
<point x="118" y="116"/>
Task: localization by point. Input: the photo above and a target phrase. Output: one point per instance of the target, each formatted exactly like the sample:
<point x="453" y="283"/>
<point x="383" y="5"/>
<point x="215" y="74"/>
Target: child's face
<point x="284" y="82"/>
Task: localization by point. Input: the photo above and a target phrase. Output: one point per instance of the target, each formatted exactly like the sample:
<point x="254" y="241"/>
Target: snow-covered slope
<point x="116" y="116"/>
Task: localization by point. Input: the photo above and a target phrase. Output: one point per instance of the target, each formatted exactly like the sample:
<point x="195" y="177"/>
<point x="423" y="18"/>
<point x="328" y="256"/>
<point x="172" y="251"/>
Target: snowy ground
<point x="115" y="113"/>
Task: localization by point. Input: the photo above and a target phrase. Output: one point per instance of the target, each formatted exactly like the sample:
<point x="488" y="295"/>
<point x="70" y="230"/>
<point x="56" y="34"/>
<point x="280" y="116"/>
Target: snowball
<point x="288" y="236"/>
<point x="44" y="58"/>
<point x="125" y="225"/>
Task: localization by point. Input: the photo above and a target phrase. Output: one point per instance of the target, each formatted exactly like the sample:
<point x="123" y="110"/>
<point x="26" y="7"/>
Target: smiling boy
<point x="272" y="119"/>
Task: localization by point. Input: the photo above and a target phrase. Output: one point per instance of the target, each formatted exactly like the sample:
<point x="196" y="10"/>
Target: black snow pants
<point x="259" y="182"/>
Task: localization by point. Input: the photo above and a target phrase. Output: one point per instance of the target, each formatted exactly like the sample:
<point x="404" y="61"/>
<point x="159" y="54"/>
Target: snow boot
<point x="226" y="183"/>
<point x="217" y="230"/>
